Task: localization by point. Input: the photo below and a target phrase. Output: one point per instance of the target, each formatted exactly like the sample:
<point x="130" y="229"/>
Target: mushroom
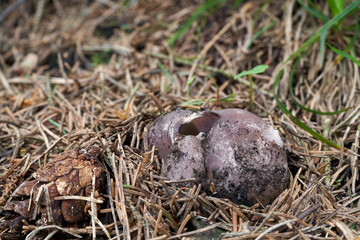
<point x="233" y="150"/>
<point x="186" y="160"/>
<point x="165" y="130"/>
<point x="245" y="158"/>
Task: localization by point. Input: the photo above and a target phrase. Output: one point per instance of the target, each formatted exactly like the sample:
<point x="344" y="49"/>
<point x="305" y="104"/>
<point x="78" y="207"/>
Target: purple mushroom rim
<point x="235" y="151"/>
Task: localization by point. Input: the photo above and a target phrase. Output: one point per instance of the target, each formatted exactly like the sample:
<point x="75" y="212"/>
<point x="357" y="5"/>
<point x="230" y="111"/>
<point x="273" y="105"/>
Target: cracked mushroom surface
<point x="235" y="151"/>
<point x="69" y="174"/>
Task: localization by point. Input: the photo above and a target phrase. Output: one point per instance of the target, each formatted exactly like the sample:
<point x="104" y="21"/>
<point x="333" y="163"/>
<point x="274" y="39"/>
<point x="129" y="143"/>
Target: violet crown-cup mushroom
<point x="237" y="152"/>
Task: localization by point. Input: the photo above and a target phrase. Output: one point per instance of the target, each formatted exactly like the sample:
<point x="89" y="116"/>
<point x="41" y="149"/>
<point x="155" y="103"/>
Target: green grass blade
<point x="336" y="6"/>
<point x="128" y="186"/>
<point x="344" y="54"/>
<point x="165" y="71"/>
<point x="296" y="120"/>
<point x="193" y="102"/>
<point x="167" y="74"/>
<point x="291" y="77"/>
<point x="261" y="31"/>
<point x="324" y="28"/>
<point x="255" y="70"/>
<point x="190" y="81"/>
<point x="352" y="42"/>
<point x="200" y="11"/>
<point x="313" y="12"/>
<point x="63" y="131"/>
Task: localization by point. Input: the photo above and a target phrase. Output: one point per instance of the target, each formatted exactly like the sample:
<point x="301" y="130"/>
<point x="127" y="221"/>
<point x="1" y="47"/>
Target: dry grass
<point x="55" y="94"/>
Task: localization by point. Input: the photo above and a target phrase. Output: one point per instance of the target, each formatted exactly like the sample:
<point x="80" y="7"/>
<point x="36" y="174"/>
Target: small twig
<point x="351" y="118"/>
<point x="48" y="88"/>
<point x="48" y="237"/>
<point x="327" y="160"/>
<point x="10" y="122"/>
<point x="354" y="161"/>
<point x="93" y="208"/>
<point x="308" y="211"/>
<point x="338" y="209"/>
<point x="34" y="232"/>
<point x="95" y="218"/>
<point x="38" y="14"/>
<point x="48" y="204"/>
<point x="89" y="199"/>
<point x="119" y="188"/>
<point x="185" y="221"/>
<point x="10" y="9"/>
<point x="274" y="227"/>
<point x="5" y="82"/>
<point x="157" y="102"/>
<point x="47" y="143"/>
<point x="262" y="223"/>
<point x="110" y="192"/>
<point x="166" y="213"/>
<point x="157" y="222"/>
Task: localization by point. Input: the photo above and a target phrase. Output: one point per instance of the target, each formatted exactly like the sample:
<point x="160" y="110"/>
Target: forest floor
<point x="77" y="74"/>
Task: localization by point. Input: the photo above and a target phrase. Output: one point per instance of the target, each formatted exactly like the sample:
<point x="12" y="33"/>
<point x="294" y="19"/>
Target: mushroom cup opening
<point x="200" y="124"/>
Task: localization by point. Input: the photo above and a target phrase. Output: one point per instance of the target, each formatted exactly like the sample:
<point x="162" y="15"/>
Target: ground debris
<point x="76" y="74"/>
<point x="58" y="191"/>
